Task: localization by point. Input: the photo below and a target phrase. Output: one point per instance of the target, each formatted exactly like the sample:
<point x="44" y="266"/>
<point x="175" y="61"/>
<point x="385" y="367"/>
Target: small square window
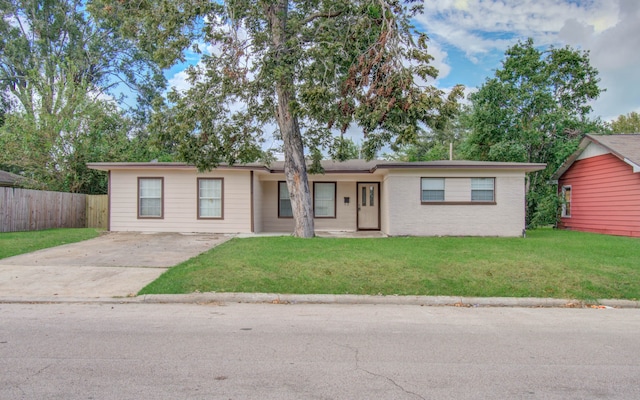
<point x="482" y="189"/>
<point x="432" y="189"/>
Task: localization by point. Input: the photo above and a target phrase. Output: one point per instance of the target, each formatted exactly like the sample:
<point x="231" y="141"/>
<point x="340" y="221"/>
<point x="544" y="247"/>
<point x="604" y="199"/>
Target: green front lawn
<point x="14" y="243"/>
<point x="548" y="263"/>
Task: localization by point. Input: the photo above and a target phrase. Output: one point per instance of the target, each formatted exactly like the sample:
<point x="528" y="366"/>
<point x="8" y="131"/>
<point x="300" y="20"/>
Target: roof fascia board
<point x="525" y="167"/>
<point x="128" y="166"/>
<point x="335" y="171"/>
<point x="636" y="167"/>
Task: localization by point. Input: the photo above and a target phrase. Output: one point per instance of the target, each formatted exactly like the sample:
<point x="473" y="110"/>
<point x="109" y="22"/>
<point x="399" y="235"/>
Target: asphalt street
<point x="316" y="351"/>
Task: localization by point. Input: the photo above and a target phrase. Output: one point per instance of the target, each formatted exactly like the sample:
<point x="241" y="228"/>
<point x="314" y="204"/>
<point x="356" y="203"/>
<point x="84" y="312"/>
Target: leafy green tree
<point x="4" y="108"/>
<point x="436" y="144"/>
<point x="344" y="149"/>
<point x="308" y="67"/>
<point x="56" y="64"/>
<point x="535" y="109"/>
<point x="629" y="123"/>
<point x="101" y="134"/>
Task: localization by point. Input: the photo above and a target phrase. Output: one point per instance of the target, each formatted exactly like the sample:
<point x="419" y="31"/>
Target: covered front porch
<point x="342" y="203"/>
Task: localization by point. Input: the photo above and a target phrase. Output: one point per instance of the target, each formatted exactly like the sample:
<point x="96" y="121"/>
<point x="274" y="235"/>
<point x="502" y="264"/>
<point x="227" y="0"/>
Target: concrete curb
<point x="274" y="298"/>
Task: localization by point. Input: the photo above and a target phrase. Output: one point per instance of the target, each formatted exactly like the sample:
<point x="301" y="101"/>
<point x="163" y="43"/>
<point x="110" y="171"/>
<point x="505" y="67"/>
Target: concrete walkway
<point x="116" y="264"/>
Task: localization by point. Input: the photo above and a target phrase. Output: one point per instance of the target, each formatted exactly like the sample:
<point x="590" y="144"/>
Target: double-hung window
<point x="284" y="202"/>
<point x="483" y="189"/>
<point x="432" y="189"/>
<point x="150" y="197"/>
<point x="324" y="199"/>
<point x="210" y="199"/>
<point x="566" y="201"/>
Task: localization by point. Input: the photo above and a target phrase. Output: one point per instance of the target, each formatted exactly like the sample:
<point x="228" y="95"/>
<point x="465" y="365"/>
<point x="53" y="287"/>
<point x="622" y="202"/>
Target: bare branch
<point x="331" y="14"/>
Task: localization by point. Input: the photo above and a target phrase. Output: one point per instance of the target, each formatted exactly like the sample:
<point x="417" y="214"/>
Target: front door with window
<point x="369" y="206"/>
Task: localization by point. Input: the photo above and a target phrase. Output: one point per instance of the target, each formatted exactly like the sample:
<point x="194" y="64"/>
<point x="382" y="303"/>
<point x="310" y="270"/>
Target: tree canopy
<point x="436" y="144"/>
<point x="629" y="123"/>
<point x="57" y="69"/>
<point x="535" y="109"/>
<point x="304" y="70"/>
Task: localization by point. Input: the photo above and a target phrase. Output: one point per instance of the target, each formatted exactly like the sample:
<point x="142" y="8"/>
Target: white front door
<point x="369" y="206"/>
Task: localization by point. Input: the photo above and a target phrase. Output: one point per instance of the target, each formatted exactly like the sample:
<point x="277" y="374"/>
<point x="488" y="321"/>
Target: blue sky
<point x="468" y="39"/>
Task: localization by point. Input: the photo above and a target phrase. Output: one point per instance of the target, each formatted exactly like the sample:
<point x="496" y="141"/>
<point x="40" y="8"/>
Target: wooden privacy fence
<point x="30" y="210"/>
<point x="97" y="211"/>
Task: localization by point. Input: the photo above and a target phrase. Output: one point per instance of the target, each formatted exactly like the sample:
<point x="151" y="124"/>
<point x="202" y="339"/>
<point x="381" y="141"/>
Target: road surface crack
<point x="38" y="372"/>
<point x="356" y="353"/>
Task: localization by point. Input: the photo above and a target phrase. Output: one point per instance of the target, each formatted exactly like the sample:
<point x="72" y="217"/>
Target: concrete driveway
<point x="112" y="265"/>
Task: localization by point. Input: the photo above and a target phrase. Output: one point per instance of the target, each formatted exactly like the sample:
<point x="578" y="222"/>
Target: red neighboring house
<point x="600" y="184"/>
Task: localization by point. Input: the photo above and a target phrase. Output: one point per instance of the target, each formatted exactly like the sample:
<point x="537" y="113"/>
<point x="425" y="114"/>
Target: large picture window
<point x="432" y="189"/>
<point x="210" y="197"/>
<point x="284" y="202"/>
<point x="483" y="189"/>
<point x="150" y="197"/>
<point x="324" y="199"/>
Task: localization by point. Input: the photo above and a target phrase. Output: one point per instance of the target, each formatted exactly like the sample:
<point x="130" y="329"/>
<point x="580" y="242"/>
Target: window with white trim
<point x="150" y="197"/>
<point x="210" y="197"/>
<point x="483" y="189"/>
<point x="324" y="199"/>
<point x="284" y="201"/>
<point x="566" y="201"/>
<point x="432" y="189"/>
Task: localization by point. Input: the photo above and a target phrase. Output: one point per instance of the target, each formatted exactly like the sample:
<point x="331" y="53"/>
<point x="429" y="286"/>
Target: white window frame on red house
<point x="566" y="203"/>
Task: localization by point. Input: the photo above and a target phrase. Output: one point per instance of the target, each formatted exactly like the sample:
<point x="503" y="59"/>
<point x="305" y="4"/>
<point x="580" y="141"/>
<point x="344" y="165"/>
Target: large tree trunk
<point x="295" y="168"/>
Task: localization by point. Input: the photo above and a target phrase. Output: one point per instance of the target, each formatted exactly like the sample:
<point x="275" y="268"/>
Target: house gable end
<point x="605" y="196"/>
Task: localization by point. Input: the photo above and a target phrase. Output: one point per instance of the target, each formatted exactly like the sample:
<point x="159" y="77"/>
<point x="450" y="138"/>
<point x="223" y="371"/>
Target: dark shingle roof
<point x="623" y="146"/>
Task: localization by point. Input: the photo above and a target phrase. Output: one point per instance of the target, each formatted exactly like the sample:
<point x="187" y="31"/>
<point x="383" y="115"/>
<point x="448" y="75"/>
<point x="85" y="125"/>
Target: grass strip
<point x="548" y="263"/>
<point x="14" y="243"/>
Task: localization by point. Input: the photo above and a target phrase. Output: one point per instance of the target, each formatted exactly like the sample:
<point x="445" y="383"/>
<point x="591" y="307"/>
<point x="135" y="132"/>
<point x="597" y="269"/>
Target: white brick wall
<point x="407" y="216"/>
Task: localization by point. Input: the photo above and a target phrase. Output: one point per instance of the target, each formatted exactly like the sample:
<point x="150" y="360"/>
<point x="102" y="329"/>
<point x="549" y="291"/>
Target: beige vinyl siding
<point x="180" y="202"/>
<point x="345" y="219"/>
<point x="269" y="209"/>
<point x="408" y="216"/>
<point x="345" y="213"/>
<point x="257" y="204"/>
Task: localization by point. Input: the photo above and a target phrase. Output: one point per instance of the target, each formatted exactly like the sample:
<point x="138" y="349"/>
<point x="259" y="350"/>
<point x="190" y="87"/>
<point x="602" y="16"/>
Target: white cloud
<point x="180" y="81"/>
<point x="610" y="30"/>
<point x="614" y="52"/>
<point x="480" y="26"/>
<point x="439" y="60"/>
